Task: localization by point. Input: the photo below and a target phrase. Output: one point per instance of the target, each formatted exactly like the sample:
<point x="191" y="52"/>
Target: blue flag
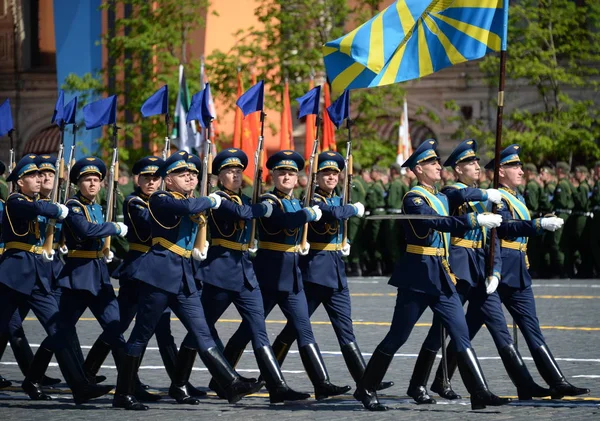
<point x="158" y="103"/>
<point x="6" y="122"/>
<point x="309" y="102"/>
<point x="340" y="109"/>
<point x="253" y="99"/>
<point x="100" y="113"/>
<point x="200" y="108"/>
<point x="59" y="109"/>
<point x="70" y="111"/>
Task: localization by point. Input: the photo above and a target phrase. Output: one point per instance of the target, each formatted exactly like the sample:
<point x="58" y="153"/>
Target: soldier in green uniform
<point x="375" y="204"/>
<point x="394" y="232"/>
<point x="532" y="194"/>
<point x="118" y="245"/>
<point x="595" y="223"/>
<point x="546" y="179"/>
<point x="577" y="253"/>
<point x="562" y="203"/>
<point x="356" y="225"/>
<point x="3" y="183"/>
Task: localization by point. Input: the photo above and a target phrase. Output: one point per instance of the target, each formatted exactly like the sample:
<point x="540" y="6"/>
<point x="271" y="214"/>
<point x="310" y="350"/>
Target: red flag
<point x="328" y="127"/>
<point x="239" y="116"/>
<point x="286" y="135"/>
<point x="310" y="122"/>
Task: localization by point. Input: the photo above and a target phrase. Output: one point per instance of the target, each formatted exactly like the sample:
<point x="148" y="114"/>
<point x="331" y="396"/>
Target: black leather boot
<point x="79" y="353"/>
<point x="83" y="390"/>
<point x="169" y="357"/>
<point x="37" y="367"/>
<point x="233" y="354"/>
<point x="356" y="269"/>
<point x="317" y="373"/>
<point x="95" y="358"/>
<point x="126" y="380"/>
<point x="439" y="386"/>
<point x="356" y="364"/>
<point x="278" y="389"/>
<point x="24" y="356"/>
<point x="140" y="392"/>
<point x="181" y="376"/>
<point x="3" y="343"/>
<point x="474" y="380"/>
<point x="550" y="372"/>
<point x="234" y="388"/>
<point x="527" y="388"/>
<point x="417" y="388"/>
<point x="366" y="388"/>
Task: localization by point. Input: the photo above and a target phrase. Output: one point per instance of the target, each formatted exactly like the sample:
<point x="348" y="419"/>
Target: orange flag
<point x="239" y="116"/>
<point x="286" y="135"/>
<point x="309" y="139"/>
<point x="328" y="143"/>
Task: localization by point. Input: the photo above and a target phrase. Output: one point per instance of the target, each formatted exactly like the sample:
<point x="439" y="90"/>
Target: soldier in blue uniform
<point x="26" y="279"/>
<point x="167" y="280"/>
<point x="278" y="272"/>
<point x="228" y="277"/>
<point x="137" y="219"/>
<point x="515" y="282"/>
<point x="424" y="279"/>
<point x="468" y="260"/>
<point x="324" y="271"/>
<point x="84" y="280"/>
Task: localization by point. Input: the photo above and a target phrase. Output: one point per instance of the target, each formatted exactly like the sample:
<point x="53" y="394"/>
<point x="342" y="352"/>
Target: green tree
<point x="553" y="47"/>
<point x="288" y="45"/>
<point x="144" y="52"/>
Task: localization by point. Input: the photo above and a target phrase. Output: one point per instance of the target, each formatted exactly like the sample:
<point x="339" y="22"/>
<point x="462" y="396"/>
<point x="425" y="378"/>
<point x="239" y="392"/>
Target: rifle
<point x="50" y="228"/>
<point x="11" y="161"/>
<point x="347" y="188"/>
<point x="68" y="191"/>
<point x="200" y="240"/>
<point x="167" y="149"/>
<point x="312" y="180"/>
<point x="258" y="164"/>
<point x="111" y="188"/>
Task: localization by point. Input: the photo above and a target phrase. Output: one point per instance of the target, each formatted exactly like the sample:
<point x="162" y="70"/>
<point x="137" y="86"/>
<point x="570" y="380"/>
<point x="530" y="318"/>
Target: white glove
<point x="254" y="249"/>
<point x="491" y="283"/>
<point x="122" y="229"/>
<point x="494" y="196"/>
<point x="110" y="257"/>
<point x="346" y="250"/>
<point x="318" y="211"/>
<point x="64" y="211"/>
<point x="269" y="207"/>
<point x="552" y="223"/>
<point x="46" y="257"/>
<point x="361" y="209"/>
<point x="489" y="220"/>
<point x="305" y="250"/>
<point x="63" y="250"/>
<point x="200" y="255"/>
<point x="217" y="200"/>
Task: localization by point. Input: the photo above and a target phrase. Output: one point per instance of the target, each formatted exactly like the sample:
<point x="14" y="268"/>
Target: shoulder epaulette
<point x="273" y="198"/>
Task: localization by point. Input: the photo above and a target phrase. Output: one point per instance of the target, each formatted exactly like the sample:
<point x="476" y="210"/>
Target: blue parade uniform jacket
<point x="228" y="264"/>
<point x="85" y="231"/>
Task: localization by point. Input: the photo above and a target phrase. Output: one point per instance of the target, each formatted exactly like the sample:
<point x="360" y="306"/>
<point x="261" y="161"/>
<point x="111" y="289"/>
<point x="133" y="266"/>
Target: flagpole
<point x="258" y="168"/>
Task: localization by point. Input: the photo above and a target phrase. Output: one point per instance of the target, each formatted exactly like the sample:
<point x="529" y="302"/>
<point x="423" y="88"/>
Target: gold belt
<point x="172" y="247"/>
<point x="1" y="250"/>
<point x="469" y="244"/>
<point x="24" y="247"/>
<point x="232" y="245"/>
<point x="138" y="247"/>
<point x="426" y="251"/>
<point x="514" y="245"/>
<point x="326" y="246"/>
<point x="86" y="254"/>
<point x="286" y="248"/>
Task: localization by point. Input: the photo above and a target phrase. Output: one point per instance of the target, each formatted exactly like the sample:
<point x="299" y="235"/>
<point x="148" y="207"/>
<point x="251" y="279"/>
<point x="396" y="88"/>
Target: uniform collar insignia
<point x="323" y="193"/>
<point x="230" y="192"/>
<point x="282" y="195"/>
<point x="431" y="190"/>
<point x="508" y="189"/>
<point x="84" y="199"/>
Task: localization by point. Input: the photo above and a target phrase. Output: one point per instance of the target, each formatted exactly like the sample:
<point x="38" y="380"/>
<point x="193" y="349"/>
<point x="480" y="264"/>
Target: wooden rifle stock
<point x="347" y="184"/>
<point x="111" y="188"/>
<point x="200" y="241"/>
<point x="68" y="190"/>
<point x="11" y="161"/>
<point x="50" y="228"/>
<point x="312" y="181"/>
<point x="257" y="187"/>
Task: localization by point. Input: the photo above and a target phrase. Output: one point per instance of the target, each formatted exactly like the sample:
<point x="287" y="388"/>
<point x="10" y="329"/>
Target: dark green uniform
<point x="393" y="232"/>
<point x="356" y="227"/>
<point x="3" y="189"/>
<point x="375" y="204"/>
<point x="532" y="194"/>
<point x="118" y="245"/>
<point x="577" y="252"/>
<point x="595" y="226"/>
<point x="562" y="204"/>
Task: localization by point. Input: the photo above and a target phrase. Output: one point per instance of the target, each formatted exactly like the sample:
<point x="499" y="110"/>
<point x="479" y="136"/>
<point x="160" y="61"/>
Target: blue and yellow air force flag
<point x="411" y="39"/>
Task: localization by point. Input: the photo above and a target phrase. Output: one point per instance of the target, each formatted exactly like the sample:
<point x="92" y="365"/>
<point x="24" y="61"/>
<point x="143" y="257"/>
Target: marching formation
<point x="194" y="254"/>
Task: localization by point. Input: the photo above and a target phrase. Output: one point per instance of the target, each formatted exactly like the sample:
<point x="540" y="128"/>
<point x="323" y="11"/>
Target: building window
<point x="39" y="45"/>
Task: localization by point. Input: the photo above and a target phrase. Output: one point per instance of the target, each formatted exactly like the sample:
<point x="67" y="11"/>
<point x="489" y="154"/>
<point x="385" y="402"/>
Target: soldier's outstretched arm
<point x="29" y="209"/>
<point x="232" y="210"/>
<point x="515" y="227"/>
<point x="336" y="212"/>
<point x="457" y="197"/>
<point x="81" y="227"/>
<point x="290" y="220"/>
<point x="414" y="204"/>
<point x="181" y="207"/>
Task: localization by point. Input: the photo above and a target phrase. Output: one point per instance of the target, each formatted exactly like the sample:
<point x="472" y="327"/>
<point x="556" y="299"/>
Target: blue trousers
<point x="103" y="306"/>
<point x="43" y="305"/>
<point x="295" y="309"/>
<point x="483" y="308"/>
<point x="410" y="305"/>
<point x="248" y="303"/>
<point x="151" y="307"/>
<point x="336" y="303"/>
<point x="128" y="300"/>
<point x="521" y="306"/>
